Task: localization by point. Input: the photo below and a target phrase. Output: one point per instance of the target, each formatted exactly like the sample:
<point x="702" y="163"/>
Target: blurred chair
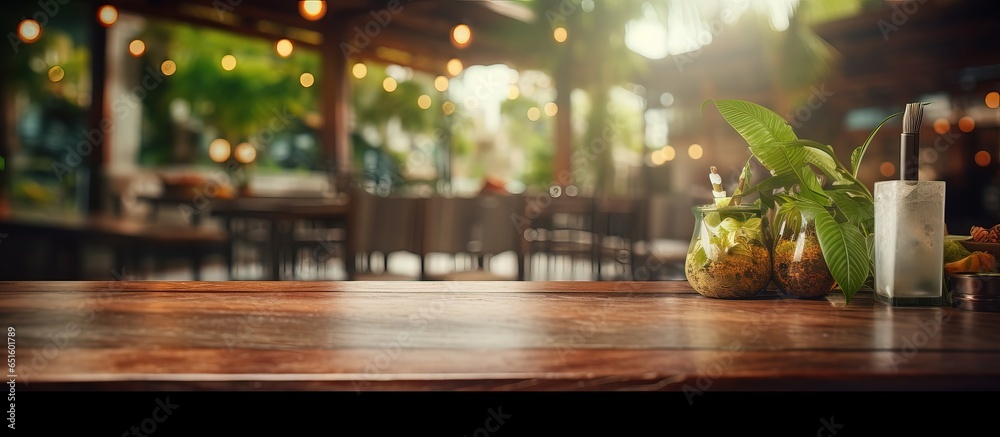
<point x="619" y="223"/>
<point x="317" y="233"/>
<point x="379" y="228"/>
<point x="473" y="232"/>
<point x="660" y="254"/>
<point x="561" y="243"/>
<point x="249" y="248"/>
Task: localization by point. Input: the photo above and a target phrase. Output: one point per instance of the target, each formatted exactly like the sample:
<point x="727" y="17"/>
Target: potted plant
<point x="838" y="214"/>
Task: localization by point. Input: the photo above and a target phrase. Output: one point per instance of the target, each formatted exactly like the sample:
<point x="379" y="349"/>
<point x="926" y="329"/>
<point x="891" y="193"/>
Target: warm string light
<point x="307" y="80"/>
<point x="441" y="83"/>
<point x="448" y="108"/>
<point x="219" y="150"/>
<point x="389" y="84"/>
<point x="107" y="15"/>
<point x="966" y="124"/>
<point x="245" y="153"/>
<point x="695" y="151"/>
<point x="461" y="35"/>
<point x="534" y="113"/>
<point x="56" y="74"/>
<point x="551" y="109"/>
<point x="29" y="30"/>
<point x="312" y="10"/>
<point x="454" y="67"/>
<point x="359" y="70"/>
<point x="992" y="100"/>
<point x="168" y="67"/>
<point x="136" y="47"/>
<point x="513" y="92"/>
<point x="424" y="101"/>
<point x="983" y="158"/>
<point x="284" y="48"/>
<point x="228" y="62"/>
<point x="560" y="34"/>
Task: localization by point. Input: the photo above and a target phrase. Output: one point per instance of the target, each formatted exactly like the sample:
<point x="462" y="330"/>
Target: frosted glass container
<point x="909" y="242"/>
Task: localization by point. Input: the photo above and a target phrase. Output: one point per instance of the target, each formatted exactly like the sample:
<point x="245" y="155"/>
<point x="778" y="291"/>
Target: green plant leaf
<point x="787" y="217"/>
<point x="780" y="157"/>
<point x="809" y="187"/>
<point x="844" y="249"/>
<point x="858" y="209"/>
<point x="756" y="124"/>
<point x="859" y="153"/>
<point x="825" y="159"/>
<point x="870" y="244"/>
<point x="767" y="186"/>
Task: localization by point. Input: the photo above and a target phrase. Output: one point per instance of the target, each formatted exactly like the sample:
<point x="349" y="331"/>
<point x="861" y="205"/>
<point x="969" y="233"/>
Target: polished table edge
<point x="504" y="369"/>
<point x="625" y="287"/>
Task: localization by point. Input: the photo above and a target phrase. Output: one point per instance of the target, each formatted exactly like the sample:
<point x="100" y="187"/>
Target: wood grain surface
<point x="482" y="336"/>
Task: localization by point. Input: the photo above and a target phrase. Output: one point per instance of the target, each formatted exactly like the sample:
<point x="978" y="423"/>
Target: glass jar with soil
<point x="730" y="252"/>
<point x="799" y="267"/>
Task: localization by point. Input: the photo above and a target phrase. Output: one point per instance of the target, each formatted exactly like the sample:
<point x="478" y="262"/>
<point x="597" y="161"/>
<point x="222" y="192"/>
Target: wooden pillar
<point x="96" y="161"/>
<point x="335" y="98"/>
<point x="562" y="169"/>
<point x="7" y="130"/>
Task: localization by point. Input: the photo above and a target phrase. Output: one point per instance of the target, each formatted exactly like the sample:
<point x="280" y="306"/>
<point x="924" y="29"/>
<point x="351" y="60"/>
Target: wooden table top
<point x="535" y="336"/>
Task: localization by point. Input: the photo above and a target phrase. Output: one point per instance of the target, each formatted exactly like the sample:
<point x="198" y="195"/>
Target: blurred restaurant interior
<point x="450" y="140"/>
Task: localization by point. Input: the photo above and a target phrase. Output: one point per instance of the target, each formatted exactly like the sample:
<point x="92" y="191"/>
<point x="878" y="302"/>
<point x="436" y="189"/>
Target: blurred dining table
<point x="281" y="214"/>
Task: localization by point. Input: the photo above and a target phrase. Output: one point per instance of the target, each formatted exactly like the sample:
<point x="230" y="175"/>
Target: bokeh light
<point x="993" y="100"/>
<point x="454" y="67"/>
<point x="312" y="10"/>
<point x="307" y="80"/>
<point x="107" y="15"/>
<point x="424" y="101"/>
<point x="245" y="153"/>
<point x="359" y="70"/>
<point x="461" y="35"/>
<point x="534" y="113"/>
<point x="887" y="169"/>
<point x="56" y="74"/>
<point x="966" y="124"/>
<point x="389" y="84"/>
<point x="228" y="62"/>
<point x="983" y="158"/>
<point x="29" y="30"/>
<point x="657" y="157"/>
<point x="669" y="153"/>
<point x="137" y="47"/>
<point x="551" y="109"/>
<point x="695" y="151"/>
<point x="168" y="67"/>
<point x="284" y="47"/>
<point x="942" y="126"/>
<point x="513" y="92"/>
<point x="560" y="34"/>
<point x="219" y="150"/>
<point x="448" y="108"/>
<point x="441" y="83"/>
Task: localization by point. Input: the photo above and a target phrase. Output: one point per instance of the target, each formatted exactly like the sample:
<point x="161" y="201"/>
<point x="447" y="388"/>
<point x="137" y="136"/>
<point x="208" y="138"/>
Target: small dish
<point x="976" y="246"/>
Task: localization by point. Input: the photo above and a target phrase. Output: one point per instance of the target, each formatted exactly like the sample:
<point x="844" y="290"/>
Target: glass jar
<point x="730" y="252"/>
<point x="799" y="267"/>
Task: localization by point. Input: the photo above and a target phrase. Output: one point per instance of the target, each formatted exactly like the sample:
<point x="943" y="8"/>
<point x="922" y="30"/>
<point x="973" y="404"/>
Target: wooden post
<point x="561" y="170"/>
<point x="96" y="161"/>
<point x="335" y="98"/>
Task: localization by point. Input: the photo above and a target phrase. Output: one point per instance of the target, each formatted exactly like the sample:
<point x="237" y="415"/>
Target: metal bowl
<point x="975" y="291"/>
